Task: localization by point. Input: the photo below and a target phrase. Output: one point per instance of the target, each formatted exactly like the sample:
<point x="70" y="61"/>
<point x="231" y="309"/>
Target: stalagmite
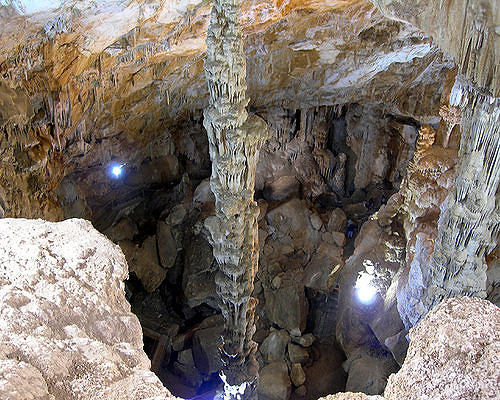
<point x="234" y="143"/>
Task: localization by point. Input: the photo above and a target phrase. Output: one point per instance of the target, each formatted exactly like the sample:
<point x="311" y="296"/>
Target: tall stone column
<point x="470" y="225"/>
<point x="234" y="143"/>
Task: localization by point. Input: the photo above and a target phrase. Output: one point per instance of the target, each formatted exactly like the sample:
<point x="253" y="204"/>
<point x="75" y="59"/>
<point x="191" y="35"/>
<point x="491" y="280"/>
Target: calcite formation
<point x="234" y="143"/>
<point x="469" y="227"/>
<point x="467" y="30"/>
<point x="469" y="222"/>
<point x="94" y="82"/>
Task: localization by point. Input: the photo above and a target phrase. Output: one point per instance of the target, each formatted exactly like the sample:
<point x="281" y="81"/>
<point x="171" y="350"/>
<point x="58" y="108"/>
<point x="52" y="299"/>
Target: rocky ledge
<point x="66" y="330"/>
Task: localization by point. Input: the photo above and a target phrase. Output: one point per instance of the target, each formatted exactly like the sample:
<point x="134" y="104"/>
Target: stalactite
<point x="469" y="227"/>
<point x="234" y="143"/>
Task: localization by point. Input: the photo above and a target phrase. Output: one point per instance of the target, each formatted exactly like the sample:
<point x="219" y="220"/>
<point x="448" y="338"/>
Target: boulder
<point x="273" y="347"/>
<point x="315" y="220"/>
<point x="287" y="307"/>
<point x="125" y="229"/>
<point x="144" y="262"/>
<point x="203" y="193"/>
<point x="274" y="382"/>
<point x="185" y="368"/>
<point x="206" y="353"/>
<point x="301" y="391"/>
<point x="454" y="354"/>
<point x="282" y="188"/>
<point x="337" y="221"/>
<point x="198" y="280"/>
<point x="368" y="373"/>
<point x="319" y="271"/>
<point x="305" y="341"/>
<point x="67" y="330"/>
<point x="293" y="219"/>
<point x="351" y="396"/>
<point x="297" y="374"/>
<point x="297" y="354"/>
<point x="177" y="215"/>
<point x="398" y="346"/>
<point x="167" y="245"/>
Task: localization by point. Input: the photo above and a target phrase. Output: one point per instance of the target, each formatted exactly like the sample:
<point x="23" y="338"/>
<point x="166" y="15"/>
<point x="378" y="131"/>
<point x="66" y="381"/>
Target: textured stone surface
<point x="144" y="262"/>
<point x="468" y="30"/>
<point x="454" y="353"/>
<point x="274" y="383"/>
<point x="66" y="330"/>
<point x="74" y="88"/>
<point x="274" y="346"/>
<point x="351" y="396"/>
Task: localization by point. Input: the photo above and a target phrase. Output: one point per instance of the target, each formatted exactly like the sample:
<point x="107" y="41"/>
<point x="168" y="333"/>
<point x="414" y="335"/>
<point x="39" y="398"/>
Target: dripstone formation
<point x="234" y="143"/>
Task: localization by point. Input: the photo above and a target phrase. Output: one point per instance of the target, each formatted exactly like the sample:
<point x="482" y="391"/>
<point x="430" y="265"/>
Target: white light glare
<point x="231" y="392"/>
<point x="32" y="6"/>
<point x="365" y="291"/>
<point x="117" y="170"/>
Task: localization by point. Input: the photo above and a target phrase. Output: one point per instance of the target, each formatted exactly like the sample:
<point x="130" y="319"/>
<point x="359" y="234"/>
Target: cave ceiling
<point x="89" y="82"/>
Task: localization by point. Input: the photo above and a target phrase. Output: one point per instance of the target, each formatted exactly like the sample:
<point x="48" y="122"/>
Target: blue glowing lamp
<point x="366" y="293"/>
<point x="116" y="170"/>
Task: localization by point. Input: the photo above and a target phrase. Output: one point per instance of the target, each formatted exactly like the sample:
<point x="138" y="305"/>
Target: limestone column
<point x="234" y="143"/>
<point x="469" y="226"/>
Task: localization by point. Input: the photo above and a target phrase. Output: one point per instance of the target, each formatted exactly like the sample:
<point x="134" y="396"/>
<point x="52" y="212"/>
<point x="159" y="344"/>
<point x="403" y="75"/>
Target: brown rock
<point x="287" y="307"/>
<point x="282" y="188"/>
<point x="167" y="245"/>
<point x="305" y="340"/>
<point x="301" y="391"/>
<point x="337" y="221"/>
<point x="206" y="353"/>
<point x="274" y="383"/>
<point x="297" y="354"/>
<point x="297" y="374"/>
<point x="143" y="261"/>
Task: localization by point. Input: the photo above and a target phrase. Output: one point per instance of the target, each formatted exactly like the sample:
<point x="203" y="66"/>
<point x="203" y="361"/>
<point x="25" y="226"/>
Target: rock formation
<point x="468" y="226"/>
<point x="453" y="354"/>
<point x="234" y="143"/>
<point x="66" y="328"/>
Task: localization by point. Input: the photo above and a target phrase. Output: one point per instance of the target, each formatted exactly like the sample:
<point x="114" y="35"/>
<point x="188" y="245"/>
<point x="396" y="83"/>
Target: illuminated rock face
<point x="469" y="222"/>
<point x="234" y="143"/>
<point x="96" y="82"/>
<point x="67" y="331"/>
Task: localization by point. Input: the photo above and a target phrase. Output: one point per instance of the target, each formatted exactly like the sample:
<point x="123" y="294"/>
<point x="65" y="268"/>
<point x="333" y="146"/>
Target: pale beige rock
<point x="454" y="354"/>
<point x="67" y="331"/>
<point x="351" y="396"/>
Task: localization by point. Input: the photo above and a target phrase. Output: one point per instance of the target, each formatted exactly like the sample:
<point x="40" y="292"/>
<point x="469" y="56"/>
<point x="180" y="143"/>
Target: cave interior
<point x="375" y="190"/>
